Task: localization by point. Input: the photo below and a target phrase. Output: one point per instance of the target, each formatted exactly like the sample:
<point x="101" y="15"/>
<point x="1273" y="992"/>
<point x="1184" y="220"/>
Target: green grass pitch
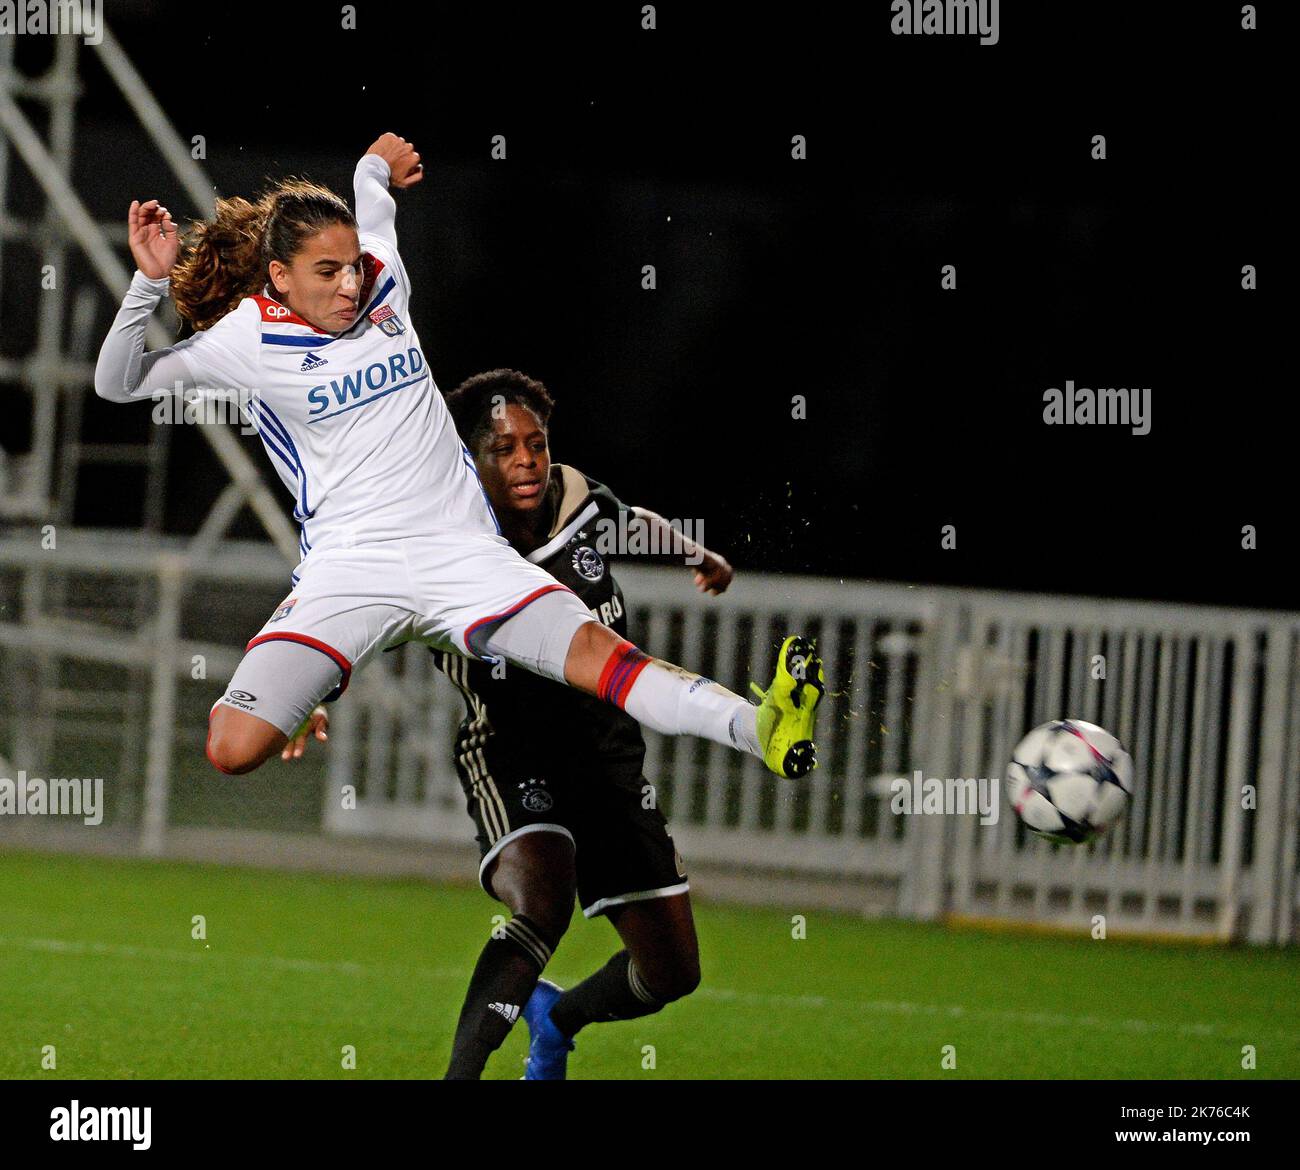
<point x="97" y="959"/>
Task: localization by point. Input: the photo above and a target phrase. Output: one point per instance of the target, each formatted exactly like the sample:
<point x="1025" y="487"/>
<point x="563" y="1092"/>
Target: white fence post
<point x="922" y="885"/>
<point x="1269" y="918"/>
<point x="162" y="705"/>
<point x="1243" y="671"/>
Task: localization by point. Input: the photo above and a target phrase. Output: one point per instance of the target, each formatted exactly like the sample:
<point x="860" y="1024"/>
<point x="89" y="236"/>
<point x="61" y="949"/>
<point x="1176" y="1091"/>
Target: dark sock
<point x="503" y="979"/>
<point x="615" y="992"/>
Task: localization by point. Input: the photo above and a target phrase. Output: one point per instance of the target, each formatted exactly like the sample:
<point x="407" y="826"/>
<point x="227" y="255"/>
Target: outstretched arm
<point x="207" y="360"/>
<point x="124" y="371"/>
<point x="712" y="572"/>
<point x="390" y="162"/>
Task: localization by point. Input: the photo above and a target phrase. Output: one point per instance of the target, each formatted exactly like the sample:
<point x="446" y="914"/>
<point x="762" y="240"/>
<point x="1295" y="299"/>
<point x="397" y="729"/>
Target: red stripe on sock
<point x="621" y="669"/>
<point x="625" y="683"/>
<point x="612" y="663"/>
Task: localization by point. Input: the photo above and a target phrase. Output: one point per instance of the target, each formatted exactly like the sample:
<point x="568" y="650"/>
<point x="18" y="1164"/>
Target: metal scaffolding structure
<point x="59" y="370"/>
<point x="38" y="486"/>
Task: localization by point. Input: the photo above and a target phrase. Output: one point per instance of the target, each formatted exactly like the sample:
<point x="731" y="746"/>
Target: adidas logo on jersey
<point x="509" y="1010"/>
<point x="311" y="361"/>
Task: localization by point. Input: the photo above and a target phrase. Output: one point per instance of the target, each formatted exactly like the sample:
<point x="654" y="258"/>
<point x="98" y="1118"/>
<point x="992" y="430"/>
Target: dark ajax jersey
<point x="523" y="723"/>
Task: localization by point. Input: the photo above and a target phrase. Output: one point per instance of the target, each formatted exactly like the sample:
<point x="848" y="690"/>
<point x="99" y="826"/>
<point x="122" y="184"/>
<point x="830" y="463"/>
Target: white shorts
<point x="451" y="590"/>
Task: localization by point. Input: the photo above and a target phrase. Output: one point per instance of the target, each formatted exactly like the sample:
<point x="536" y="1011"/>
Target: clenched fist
<point x="403" y="163"/>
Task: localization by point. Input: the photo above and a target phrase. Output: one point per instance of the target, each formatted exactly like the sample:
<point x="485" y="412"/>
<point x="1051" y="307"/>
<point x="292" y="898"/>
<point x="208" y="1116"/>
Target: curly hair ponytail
<point x="225" y="259"/>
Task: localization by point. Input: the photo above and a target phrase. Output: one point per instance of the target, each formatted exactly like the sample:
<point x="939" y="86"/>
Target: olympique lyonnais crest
<point x="388" y="321"/>
<point x="284" y="609"/>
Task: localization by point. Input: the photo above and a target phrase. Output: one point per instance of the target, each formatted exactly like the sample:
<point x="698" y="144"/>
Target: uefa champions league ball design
<point x="1069" y="780"/>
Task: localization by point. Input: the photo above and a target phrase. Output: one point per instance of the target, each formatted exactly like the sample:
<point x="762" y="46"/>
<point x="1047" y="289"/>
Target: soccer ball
<point x="1069" y="780"/>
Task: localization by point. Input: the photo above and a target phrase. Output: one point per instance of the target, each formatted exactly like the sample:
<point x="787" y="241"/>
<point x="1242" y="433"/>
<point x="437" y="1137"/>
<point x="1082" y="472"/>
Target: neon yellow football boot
<point x="788" y="709"/>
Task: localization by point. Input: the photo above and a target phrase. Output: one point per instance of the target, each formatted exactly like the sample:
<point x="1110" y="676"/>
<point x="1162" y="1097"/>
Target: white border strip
<point x="603" y="904"/>
<point x="565" y="534"/>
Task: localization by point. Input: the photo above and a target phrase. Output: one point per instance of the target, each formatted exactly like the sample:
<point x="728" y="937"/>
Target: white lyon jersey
<point x="398" y="539"/>
<point x="352" y="422"/>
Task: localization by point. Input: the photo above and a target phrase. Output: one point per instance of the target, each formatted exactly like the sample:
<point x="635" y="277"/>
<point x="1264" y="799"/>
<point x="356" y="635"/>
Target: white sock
<point x="674" y="701"/>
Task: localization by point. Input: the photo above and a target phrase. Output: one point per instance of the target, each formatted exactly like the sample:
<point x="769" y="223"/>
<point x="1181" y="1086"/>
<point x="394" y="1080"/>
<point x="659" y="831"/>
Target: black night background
<point x="779" y="277"/>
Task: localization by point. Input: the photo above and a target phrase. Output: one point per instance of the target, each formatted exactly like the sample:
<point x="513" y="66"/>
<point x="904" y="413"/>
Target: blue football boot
<point x="548" y="1047"/>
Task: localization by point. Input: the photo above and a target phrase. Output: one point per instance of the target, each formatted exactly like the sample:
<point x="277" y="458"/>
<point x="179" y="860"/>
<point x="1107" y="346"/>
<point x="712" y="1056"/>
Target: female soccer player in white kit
<point x="304" y="310"/>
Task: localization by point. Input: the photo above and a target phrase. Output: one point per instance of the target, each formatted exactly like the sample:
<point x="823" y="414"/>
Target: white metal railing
<point x="946" y="681"/>
<point x="39" y="485"/>
<point x="942" y="680"/>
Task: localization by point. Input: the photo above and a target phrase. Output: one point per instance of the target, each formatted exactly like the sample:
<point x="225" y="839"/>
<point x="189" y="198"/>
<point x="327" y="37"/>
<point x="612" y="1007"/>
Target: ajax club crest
<point x="388" y="321"/>
<point x="536" y="798"/>
<point x="587" y="563"/>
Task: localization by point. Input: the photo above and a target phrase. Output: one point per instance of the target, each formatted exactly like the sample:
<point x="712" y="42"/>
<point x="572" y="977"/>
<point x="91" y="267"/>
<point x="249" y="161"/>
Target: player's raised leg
<point x="556" y="629"/>
<point x="239" y="743"/>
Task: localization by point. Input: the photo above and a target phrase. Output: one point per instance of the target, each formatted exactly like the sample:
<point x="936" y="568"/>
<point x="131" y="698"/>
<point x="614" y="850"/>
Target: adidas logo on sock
<point x="509" y="1010"/>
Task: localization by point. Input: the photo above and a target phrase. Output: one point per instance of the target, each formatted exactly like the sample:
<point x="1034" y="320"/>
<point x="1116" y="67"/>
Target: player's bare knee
<point x="223" y="750"/>
<point x="598" y="635"/>
<point x="233" y="747"/>
<point x="672" y="979"/>
<point x="550" y="911"/>
<point x="545" y="900"/>
<point x="591" y="638"/>
<point x="228" y="755"/>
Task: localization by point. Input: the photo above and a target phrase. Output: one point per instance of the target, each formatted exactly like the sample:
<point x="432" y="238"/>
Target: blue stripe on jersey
<point x="313" y="342"/>
<point x="267" y="434"/>
<point x="326" y="339"/>
<point x="273" y="424"/>
<point x="274" y="450"/>
<point x="273" y="419"/>
<point x="491" y="510"/>
<point x="384" y="290"/>
<point x="368" y="401"/>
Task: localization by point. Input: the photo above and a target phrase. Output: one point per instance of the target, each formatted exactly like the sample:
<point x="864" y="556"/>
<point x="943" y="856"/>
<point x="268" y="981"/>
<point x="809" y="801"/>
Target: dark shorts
<point x="623" y="851"/>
